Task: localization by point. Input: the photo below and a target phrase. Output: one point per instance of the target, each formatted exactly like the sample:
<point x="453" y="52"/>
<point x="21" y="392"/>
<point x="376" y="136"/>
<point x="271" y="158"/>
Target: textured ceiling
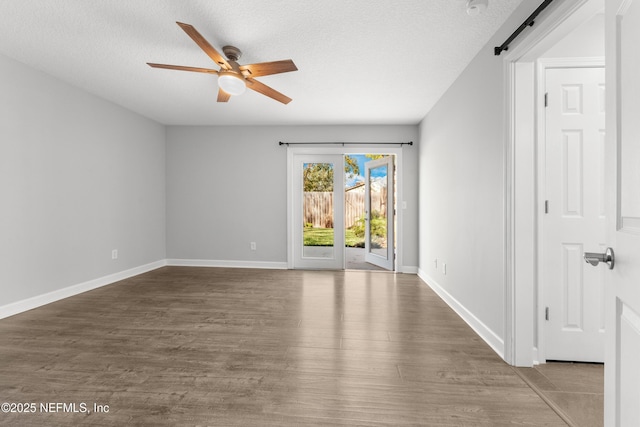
<point x="359" y="61"/>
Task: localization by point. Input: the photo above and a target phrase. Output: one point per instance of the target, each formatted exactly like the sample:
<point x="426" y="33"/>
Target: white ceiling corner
<point x="359" y="61"/>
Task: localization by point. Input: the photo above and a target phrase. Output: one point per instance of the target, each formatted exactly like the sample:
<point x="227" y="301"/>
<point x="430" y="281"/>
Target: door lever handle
<point x="595" y="258"/>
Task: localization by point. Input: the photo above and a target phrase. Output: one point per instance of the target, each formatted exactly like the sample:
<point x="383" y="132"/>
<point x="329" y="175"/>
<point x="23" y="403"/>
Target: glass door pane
<point x="378" y="215"/>
<point x="317" y="206"/>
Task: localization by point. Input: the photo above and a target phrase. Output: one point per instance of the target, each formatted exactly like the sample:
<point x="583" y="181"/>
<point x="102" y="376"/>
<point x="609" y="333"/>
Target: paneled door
<point x="318" y="211"/>
<point x="622" y="363"/>
<point x="574" y="220"/>
<point x="379" y="212"/>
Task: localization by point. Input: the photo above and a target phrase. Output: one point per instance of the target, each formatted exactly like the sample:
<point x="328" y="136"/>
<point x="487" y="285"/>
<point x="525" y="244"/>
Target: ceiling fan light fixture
<point x="231" y="83"/>
<point x="476" y="7"/>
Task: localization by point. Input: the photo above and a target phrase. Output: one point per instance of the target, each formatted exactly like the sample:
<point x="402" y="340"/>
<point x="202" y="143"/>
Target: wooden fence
<point x="318" y="207"/>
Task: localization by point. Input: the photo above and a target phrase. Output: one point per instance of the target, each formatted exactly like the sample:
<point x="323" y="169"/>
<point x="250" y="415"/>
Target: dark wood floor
<point x="234" y="347"/>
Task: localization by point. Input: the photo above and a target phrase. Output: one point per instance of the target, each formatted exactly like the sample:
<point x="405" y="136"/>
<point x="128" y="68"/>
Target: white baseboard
<point x="490" y="337"/>
<point x="40" y="300"/>
<point x="229" y="264"/>
<point x="408" y="269"/>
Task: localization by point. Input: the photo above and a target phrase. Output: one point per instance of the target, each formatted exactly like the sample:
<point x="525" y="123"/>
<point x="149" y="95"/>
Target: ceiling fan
<point x="234" y="78"/>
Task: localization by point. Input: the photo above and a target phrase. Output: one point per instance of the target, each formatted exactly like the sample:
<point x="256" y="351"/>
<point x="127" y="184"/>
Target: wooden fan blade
<point x="204" y="45"/>
<point x="267" y="68"/>
<point x="183" y="68"/>
<point x="266" y="90"/>
<point x="223" y="96"/>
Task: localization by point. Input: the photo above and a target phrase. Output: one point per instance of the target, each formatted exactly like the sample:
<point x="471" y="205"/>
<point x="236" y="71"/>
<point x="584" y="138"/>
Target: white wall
<point x="79" y="176"/>
<point x="462" y="221"/>
<point x="586" y="41"/>
<point x="226" y="187"/>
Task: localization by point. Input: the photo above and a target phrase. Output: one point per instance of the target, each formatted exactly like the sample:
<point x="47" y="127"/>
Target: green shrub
<point x="358" y="227"/>
<point x="378" y="225"/>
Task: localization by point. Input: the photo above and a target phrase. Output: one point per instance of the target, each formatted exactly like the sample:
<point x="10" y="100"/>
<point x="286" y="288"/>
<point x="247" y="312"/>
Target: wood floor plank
<point x="235" y="347"/>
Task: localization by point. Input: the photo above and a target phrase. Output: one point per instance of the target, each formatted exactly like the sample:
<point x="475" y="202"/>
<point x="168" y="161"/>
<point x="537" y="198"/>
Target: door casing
<point x="522" y="207"/>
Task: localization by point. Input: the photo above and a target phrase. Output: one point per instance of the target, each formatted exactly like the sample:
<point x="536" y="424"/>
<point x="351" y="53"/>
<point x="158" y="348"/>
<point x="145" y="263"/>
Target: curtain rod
<point x="345" y="143"/>
<point x="527" y="23"/>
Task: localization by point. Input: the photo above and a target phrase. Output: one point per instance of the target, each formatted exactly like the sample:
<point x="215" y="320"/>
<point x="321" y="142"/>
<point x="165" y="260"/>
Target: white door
<point x="622" y="363"/>
<point x="379" y="240"/>
<point x="574" y="219"/>
<point x="318" y="211"/>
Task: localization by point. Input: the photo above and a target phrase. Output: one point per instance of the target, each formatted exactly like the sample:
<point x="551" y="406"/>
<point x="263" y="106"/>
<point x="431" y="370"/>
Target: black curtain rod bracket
<point x="527" y="23"/>
<point x="346" y="143"/>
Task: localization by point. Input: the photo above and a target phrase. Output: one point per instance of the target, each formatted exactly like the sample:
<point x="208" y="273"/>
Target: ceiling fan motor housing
<point x="232" y="53"/>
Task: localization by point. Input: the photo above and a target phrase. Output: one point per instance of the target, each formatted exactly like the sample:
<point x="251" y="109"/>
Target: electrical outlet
<point x="435" y="263"/>
<point x="114" y="254"/>
<point x="444" y="268"/>
<point x="253" y="246"/>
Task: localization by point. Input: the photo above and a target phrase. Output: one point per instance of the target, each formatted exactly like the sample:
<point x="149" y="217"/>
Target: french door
<point x="318" y="211"/>
<point x="379" y="212"/>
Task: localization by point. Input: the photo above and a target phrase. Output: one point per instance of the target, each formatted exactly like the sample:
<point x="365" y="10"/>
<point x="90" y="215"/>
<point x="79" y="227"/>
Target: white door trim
<point x="521" y="206"/>
<point x="319" y="149"/>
